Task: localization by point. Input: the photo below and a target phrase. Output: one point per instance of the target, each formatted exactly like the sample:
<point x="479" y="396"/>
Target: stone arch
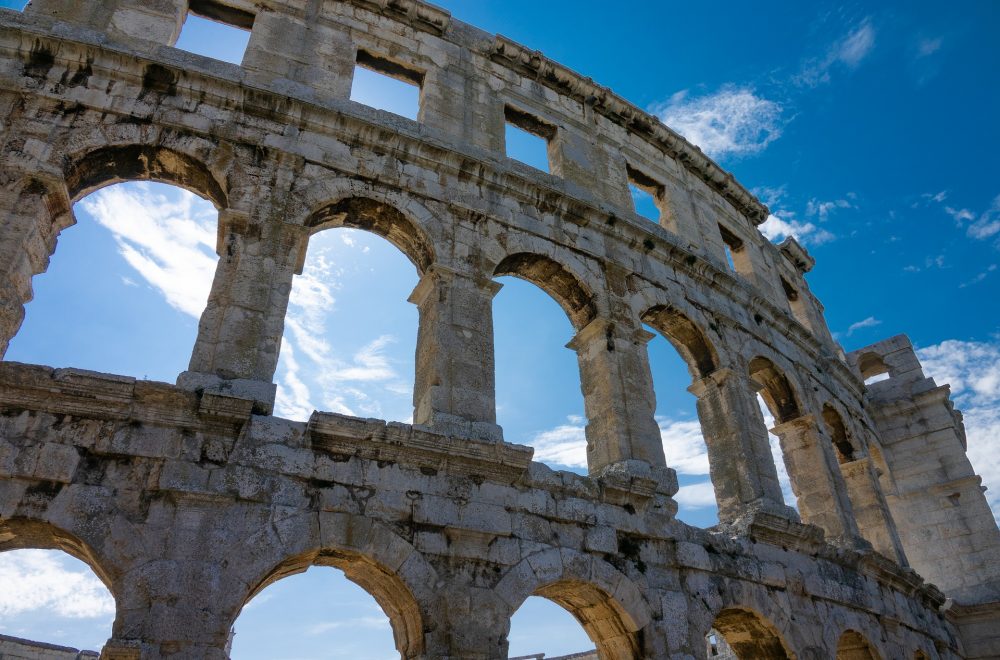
<point x="561" y="283"/>
<point x="379" y="217"/>
<point x="751" y="635"/>
<point x="107" y="166"/>
<point x="871" y="364"/>
<point x="837" y="430"/>
<point x="776" y="389"/>
<point x="609" y="606"/>
<point x="378" y="560"/>
<point x="29" y="534"/>
<point x="852" y="645"/>
<point x="689" y="339"/>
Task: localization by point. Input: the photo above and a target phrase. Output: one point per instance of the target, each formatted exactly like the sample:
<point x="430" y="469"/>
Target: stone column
<point x="739" y="455"/>
<point x="617" y="394"/>
<point x="454" y="390"/>
<point x="816" y="479"/>
<point x="239" y="334"/>
<point x="34" y="212"/>
<point x="159" y="21"/>
<point x="871" y="510"/>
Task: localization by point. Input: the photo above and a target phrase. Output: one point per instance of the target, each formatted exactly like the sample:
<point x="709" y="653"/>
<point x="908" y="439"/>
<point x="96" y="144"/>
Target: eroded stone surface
<point x="188" y="499"/>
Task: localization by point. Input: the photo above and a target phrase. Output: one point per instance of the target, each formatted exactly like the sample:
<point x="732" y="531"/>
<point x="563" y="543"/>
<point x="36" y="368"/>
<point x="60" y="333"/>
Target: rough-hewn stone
<point x="188" y="499"/>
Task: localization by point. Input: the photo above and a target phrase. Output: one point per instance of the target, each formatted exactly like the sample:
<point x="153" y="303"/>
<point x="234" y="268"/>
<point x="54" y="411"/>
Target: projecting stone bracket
<point x="259" y="393"/>
<point x="635" y="483"/>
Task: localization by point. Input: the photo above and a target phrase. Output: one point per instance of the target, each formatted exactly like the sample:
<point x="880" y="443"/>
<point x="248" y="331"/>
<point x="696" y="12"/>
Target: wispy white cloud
<point x="696" y="496"/>
<point x="847" y="52"/>
<point x="777" y="228"/>
<point x="44" y="581"/>
<point x="979" y="277"/>
<point x="823" y="209"/>
<point x="168" y="240"/>
<point x="869" y="322"/>
<point x="564" y="445"/>
<point x="973" y="371"/>
<point x="926" y="47"/>
<point x="734" y="121"/>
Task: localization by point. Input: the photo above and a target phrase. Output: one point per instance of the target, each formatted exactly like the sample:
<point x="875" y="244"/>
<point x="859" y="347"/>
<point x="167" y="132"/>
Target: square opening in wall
<point x="385" y="85"/>
<point x="646" y="193"/>
<point x="526" y="138"/>
<point x="733" y="245"/>
<point x="209" y="37"/>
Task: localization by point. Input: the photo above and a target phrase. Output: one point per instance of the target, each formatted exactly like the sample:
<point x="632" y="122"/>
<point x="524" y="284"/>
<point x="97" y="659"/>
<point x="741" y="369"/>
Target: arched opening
<point x="607" y="625"/>
<point x="350" y="335"/>
<point x="330" y="609"/>
<point x="538" y="396"/>
<point x="54" y="591"/>
<point x="920" y="655"/>
<point x="854" y="646"/>
<point x="540" y="626"/>
<point x="129" y="282"/>
<point x="318" y="611"/>
<point x="748" y="636"/>
<point x="778" y="404"/>
<point x="838" y="434"/>
<point x="873" y="369"/>
<point x="678" y="355"/>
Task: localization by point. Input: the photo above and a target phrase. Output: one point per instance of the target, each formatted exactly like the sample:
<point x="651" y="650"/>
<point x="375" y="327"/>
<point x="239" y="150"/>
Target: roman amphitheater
<point x="187" y="499"/>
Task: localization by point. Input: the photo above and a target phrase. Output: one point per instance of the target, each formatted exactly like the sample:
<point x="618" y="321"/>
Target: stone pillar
<point x="239" y="334"/>
<point x="307" y="56"/>
<point x="871" y="510"/>
<point x="454" y="390"/>
<point x="739" y="454"/>
<point x="34" y="212"/>
<point x="816" y="479"/>
<point x="159" y="21"/>
<point x="617" y="394"/>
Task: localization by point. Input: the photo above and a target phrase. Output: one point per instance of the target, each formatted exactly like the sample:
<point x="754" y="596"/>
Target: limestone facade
<point x="187" y="499"/>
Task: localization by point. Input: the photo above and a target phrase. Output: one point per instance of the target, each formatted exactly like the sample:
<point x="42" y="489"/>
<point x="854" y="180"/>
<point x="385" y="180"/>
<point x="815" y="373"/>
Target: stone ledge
<point x="377" y="440"/>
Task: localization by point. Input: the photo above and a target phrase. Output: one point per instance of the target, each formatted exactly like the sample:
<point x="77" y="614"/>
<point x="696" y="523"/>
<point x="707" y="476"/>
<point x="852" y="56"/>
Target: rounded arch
<point x="609" y="606"/>
<point x="379" y="561"/>
<point x="750" y="635"/>
<point x="852" y="645"/>
<point x="562" y="284"/>
<point x="775" y="388"/>
<point x="109" y="165"/>
<point x="871" y="364"/>
<point x="379" y="217"/>
<point x="842" y="441"/>
<point x="689" y="340"/>
<point x="29" y="534"/>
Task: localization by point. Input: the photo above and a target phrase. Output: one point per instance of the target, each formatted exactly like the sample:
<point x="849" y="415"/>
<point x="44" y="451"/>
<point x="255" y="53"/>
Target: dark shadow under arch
<point x="751" y="636"/>
<point x="387" y="588"/>
<point x="379" y="218"/>
<point x="556" y="280"/>
<point x="686" y="337"/>
<point x="109" y="165"/>
<point x="854" y="646"/>
<point x="838" y="434"/>
<point x="776" y="390"/>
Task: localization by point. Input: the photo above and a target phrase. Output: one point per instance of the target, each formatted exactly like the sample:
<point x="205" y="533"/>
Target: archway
<point x="749" y="635"/>
<point x="777" y="404"/>
<point x="539" y="399"/>
<point x="54" y="590"/>
<point x="837" y="431"/>
<point x="680" y="354"/>
<point x="349" y="333"/>
<point x="129" y="282"/>
<point x="379" y="598"/>
<point x="854" y="646"/>
<point x="541" y="626"/>
<point x="302" y="614"/>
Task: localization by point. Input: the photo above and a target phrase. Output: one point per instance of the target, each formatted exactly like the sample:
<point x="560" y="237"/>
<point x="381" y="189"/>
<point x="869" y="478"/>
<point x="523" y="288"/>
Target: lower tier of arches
<point x="188" y="505"/>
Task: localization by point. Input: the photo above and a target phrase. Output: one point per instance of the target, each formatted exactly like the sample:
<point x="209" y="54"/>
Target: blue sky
<point x="869" y="128"/>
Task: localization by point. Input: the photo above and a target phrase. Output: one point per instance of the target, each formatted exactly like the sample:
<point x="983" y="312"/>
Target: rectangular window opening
<point x="733" y="246"/>
<point x="383" y="84"/>
<point x="215" y="31"/>
<point x="526" y="138"/>
<point x="796" y="303"/>
<point x="647" y="194"/>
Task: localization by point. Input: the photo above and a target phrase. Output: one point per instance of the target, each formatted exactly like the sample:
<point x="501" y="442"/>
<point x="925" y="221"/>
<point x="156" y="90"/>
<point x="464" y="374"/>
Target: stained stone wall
<point x="189" y="498"/>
